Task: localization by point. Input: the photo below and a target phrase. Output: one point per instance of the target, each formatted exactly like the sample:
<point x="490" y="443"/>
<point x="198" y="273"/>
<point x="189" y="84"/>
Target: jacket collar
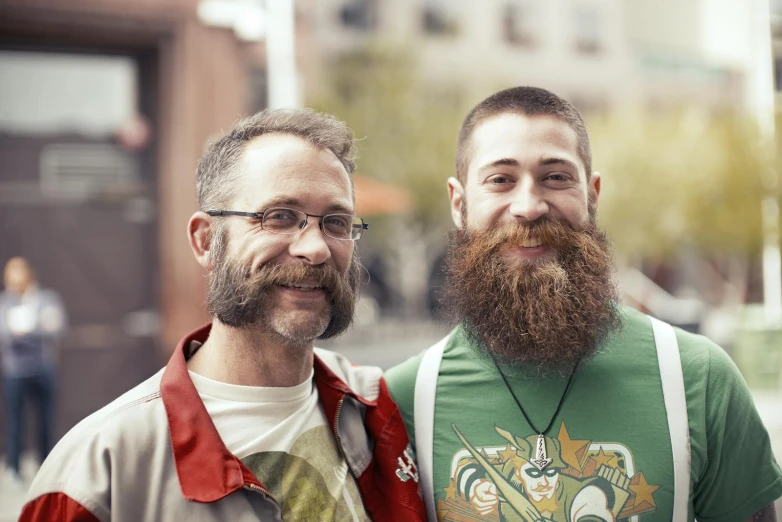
<point x="207" y="471"/>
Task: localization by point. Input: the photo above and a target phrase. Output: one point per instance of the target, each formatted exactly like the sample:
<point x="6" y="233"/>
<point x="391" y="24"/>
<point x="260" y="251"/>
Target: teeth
<point x="304" y="287"/>
<point x="530" y="243"/>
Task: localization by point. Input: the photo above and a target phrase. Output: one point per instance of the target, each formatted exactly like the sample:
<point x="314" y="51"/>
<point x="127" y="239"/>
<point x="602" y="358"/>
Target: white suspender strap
<point x="423" y="410"/>
<point x="676" y="409"/>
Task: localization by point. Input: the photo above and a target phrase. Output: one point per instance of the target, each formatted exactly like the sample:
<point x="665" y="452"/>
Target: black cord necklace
<point x="540" y="460"/>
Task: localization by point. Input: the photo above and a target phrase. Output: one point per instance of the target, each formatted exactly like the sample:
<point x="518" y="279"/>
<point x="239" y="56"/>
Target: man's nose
<point x="529" y="202"/>
<point x="309" y="243"/>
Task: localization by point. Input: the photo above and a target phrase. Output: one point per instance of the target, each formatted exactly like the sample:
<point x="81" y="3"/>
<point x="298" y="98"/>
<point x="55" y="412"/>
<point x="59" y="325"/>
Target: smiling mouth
<point x="304" y="287"/>
<point x="531" y="243"/>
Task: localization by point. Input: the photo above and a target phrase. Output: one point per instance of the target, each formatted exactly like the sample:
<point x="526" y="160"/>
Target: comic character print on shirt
<point x="585" y="481"/>
<point x="311" y="482"/>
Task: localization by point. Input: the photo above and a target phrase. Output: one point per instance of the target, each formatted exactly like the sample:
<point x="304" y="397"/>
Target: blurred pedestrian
<point x="549" y="400"/>
<point x="249" y="421"/>
<point x="32" y="320"/>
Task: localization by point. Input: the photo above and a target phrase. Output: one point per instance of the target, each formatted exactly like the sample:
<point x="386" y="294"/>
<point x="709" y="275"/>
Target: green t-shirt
<point x="609" y="445"/>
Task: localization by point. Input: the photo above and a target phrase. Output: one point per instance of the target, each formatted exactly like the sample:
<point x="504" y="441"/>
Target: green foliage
<point x="407" y="130"/>
<point x="683" y="177"/>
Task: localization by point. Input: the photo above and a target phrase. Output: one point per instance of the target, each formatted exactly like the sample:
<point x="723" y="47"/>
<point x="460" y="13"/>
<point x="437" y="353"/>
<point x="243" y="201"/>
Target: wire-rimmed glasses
<point x="281" y="220"/>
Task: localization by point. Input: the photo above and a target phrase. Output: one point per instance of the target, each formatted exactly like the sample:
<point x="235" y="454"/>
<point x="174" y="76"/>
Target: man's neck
<point x="251" y="357"/>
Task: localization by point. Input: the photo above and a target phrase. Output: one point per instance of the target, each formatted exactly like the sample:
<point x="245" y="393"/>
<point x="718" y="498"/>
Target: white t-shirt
<point x="283" y="436"/>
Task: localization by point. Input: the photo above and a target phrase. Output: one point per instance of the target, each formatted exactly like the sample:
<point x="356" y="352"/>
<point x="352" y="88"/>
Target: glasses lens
<point x="341" y="226"/>
<point x="282" y="220"/>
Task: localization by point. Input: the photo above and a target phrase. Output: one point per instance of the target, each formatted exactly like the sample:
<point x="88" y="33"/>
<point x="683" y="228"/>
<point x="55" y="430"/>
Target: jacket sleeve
<point x="57" y="507"/>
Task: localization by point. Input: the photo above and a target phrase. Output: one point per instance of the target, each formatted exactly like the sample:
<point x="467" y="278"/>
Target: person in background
<point x="32" y="321"/>
<point x="550" y="400"/>
<point x="248" y="421"/>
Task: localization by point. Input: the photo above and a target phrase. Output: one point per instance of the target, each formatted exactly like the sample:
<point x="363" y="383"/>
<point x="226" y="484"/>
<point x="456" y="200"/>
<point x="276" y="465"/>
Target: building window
<point x="438" y="18"/>
<point x="359" y="14"/>
<point x="517" y="26"/>
<point x="587" y="30"/>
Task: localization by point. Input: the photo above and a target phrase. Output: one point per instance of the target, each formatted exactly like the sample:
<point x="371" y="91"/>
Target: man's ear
<point x="593" y="188"/>
<point x="456" y="195"/>
<point x="199" y="233"/>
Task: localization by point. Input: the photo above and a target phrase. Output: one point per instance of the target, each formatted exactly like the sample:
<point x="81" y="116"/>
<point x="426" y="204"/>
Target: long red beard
<point x="548" y="311"/>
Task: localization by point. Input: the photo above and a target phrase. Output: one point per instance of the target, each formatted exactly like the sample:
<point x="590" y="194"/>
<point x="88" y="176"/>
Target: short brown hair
<point x="218" y="169"/>
<point x="528" y="101"/>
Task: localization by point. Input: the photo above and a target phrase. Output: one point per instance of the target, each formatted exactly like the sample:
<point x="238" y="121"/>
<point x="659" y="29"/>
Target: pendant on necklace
<point x="540" y="461"/>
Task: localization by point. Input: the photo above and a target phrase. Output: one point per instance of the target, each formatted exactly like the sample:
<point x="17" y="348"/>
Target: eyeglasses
<point x="279" y="220"/>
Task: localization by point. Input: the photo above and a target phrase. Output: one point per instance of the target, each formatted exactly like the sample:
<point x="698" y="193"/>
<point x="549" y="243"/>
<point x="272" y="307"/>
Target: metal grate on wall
<point x="87" y="170"/>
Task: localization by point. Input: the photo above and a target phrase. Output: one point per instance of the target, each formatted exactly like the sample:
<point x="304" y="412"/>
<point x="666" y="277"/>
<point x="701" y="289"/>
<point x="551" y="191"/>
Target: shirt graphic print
<point x="311" y="481"/>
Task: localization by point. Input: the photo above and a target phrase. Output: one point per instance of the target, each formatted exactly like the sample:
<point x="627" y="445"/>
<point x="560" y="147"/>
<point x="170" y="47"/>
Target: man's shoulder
<point x="404" y="374"/>
<point x="85" y="463"/>
<point x="636" y="326"/>
<point x="6" y="298"/>
<point x="126" y="424"/>
<point x="702" y="360"/>
<point x="123" y="415"/>
<point x="364" y="380"/>
<point x="48" y="294"/>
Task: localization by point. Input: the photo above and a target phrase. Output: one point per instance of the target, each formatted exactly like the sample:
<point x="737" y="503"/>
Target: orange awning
<point x="374" y="197"/>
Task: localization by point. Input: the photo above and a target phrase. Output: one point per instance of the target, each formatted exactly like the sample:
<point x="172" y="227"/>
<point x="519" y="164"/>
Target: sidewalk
<point x="11" y="497"/>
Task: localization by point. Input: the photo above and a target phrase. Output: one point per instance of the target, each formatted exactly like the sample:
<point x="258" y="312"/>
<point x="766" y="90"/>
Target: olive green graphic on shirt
<point x="312" y="482"/>
<point x="585" y="481"/>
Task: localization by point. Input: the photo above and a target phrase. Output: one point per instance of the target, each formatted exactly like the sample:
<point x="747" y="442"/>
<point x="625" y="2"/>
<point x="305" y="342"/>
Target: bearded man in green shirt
<point x="549" y="400"/>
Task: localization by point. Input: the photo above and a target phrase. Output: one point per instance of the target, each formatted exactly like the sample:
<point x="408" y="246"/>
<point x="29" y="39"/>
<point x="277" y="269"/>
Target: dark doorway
<point x="78" y="198"/>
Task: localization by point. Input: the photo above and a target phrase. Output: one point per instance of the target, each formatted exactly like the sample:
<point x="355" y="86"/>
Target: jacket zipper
<point x="260" y="489"/>
<point x="342" y="452"/>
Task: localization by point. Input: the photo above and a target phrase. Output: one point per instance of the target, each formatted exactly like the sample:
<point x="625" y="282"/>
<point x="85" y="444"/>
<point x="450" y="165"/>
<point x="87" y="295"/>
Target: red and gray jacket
<point x="154" y="454"/>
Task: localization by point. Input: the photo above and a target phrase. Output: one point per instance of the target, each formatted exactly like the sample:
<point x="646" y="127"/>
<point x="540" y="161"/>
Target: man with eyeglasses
<point x="248" y="421"/>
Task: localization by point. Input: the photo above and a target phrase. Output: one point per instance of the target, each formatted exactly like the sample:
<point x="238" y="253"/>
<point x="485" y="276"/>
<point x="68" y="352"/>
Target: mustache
<point x="268" y="275"/>
<point x="557" y="233"/>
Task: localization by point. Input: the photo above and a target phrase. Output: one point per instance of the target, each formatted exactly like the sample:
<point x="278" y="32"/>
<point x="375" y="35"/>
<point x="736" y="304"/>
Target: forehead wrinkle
<point x="321" y="189"/>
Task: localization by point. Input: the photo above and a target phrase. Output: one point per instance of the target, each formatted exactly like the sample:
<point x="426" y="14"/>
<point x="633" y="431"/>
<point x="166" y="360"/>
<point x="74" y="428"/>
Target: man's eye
<point x="280" y="215"/>
<point x="337" y="222"/>
<point x="499" y="180"/>
<point x="557" y="177"/>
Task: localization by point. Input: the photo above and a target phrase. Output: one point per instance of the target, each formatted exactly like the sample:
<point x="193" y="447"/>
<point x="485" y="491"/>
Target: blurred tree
<point x="407" y="132"/>
<point x="683" y="180"/>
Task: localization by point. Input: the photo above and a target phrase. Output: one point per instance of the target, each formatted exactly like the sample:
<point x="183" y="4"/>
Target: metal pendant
<point x="540" y="461"/>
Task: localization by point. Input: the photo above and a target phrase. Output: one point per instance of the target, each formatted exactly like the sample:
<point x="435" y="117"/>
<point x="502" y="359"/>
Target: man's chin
<point x="299" y="325"/>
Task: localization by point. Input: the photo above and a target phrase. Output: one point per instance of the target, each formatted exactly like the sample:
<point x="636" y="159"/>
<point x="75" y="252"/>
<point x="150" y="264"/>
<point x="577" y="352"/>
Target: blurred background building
<point x="106" y="106"/>
<point x="597" y="53"/>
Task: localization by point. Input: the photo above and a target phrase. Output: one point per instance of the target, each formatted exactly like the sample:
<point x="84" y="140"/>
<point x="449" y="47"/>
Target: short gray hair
<point x="218" y="169"/>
